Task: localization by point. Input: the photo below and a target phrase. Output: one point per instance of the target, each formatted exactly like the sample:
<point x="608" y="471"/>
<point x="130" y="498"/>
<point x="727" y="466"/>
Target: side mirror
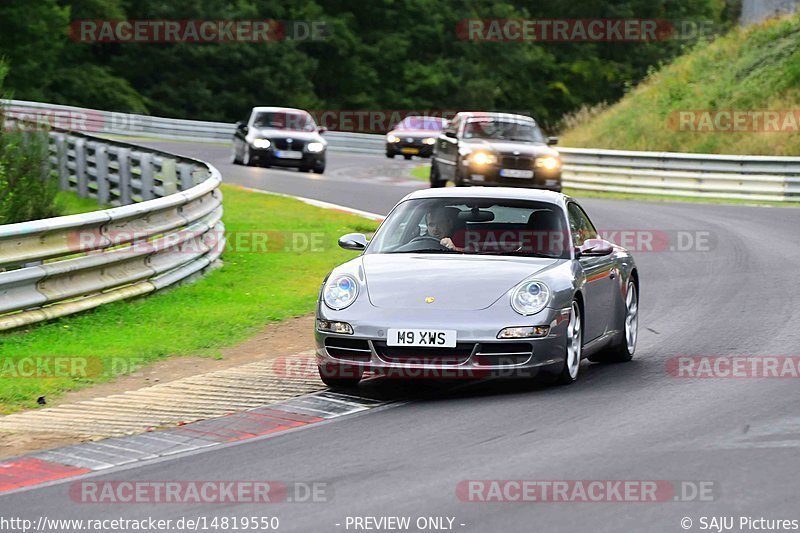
<point x="450" y="134"/>
<point x="353" y="241"/>
<point x="322" y="129"/>
<point x="594" y="248"/>
<point x="552" y="141"/>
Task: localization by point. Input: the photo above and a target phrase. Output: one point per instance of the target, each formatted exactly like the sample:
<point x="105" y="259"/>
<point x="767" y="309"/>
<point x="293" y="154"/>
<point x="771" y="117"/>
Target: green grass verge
<point x="422" y="172"/>
<point x="750" y="69"/>
<point x="69" y="203"/>
<point x="252" y="288"/>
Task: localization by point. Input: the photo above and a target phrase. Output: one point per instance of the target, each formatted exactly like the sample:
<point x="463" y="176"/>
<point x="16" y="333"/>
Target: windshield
<point x="421" y="123"/>
<point x="281" y="120"/>
<point x="503" y="130"/>
<point x="474" y="226"/>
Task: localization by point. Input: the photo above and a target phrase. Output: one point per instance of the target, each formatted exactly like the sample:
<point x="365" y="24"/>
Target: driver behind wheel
<point x="441" y="221"/>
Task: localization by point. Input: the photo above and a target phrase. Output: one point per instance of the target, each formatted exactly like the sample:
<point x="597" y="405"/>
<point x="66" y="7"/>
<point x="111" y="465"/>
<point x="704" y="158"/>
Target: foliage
<point x="381" y="54"/>
<point x="752" y="69"/>
<point x="27" y="191"/>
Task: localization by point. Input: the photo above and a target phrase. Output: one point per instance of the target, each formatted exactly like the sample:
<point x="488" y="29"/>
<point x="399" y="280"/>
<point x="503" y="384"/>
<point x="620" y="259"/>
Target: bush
<point x="27" y="191"/>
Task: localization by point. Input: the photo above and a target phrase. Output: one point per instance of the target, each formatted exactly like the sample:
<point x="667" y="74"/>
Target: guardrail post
<point x="187" y="179"/>
<point x="169" y="176"/>
<point x="101" y="165"/>
<point x="61" y="162"/>
<point x="80" y="168"/>
<point x="124" y="161"/>
<point x="146" y="165"/>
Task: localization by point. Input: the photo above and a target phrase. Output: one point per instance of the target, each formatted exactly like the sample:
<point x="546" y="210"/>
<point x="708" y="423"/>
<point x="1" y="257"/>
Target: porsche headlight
<point x="340" y="292"/>
<point x="429" y="140"/>
<point x="392" y="139"/>
<point x="315" y="147"/>
<point x="530" y="297"/>
<point x="548" y="163"/>
<point x="261" y="143"/>
<point x="483" y="158"/>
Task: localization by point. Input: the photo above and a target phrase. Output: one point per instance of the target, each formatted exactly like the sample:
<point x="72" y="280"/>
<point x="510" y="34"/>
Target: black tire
<point x="235" y="159"/>
<point x="459" y="181"/>
<point x="247" y="159"/>
<point x="623" y="347"/>
<point x="390" y="155"/>
<point x="435" y="177"/>
<point x="340" y="376"/>
<point x="407" y="157"/>
<point x="570" y="370"/>
<point x="320" y="169"/>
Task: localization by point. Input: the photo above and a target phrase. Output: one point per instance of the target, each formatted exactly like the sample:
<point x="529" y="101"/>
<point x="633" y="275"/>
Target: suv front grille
<point x="281" y="144"/>
<point x="516" y="162"/>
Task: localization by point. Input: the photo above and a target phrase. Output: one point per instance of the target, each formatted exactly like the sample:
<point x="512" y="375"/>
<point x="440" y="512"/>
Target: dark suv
<point x="495" y="149"/>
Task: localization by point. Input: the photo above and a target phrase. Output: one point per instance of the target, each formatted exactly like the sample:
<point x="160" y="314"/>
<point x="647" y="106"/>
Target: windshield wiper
<point x="516" y="252"/>
<point x="425" y="251"/>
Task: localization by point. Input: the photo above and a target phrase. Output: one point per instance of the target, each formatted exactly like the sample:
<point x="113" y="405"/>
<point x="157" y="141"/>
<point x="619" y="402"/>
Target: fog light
<point x="335" y="327"/>
<point x="524" y="332"/>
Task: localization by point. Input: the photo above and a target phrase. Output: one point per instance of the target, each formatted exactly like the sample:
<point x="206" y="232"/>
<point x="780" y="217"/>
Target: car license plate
<point x="422" y="338"/>
<point x="289" y="154"/>
<point x="515" y="173"/>
<point x="410" y="150"/>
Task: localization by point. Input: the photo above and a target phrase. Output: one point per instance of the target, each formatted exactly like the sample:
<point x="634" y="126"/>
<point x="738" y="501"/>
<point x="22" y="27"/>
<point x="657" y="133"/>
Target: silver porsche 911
<point x="479" y="282"/>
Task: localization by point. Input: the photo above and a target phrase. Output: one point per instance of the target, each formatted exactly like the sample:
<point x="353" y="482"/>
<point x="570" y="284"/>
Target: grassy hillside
<point x="752" y="69"/>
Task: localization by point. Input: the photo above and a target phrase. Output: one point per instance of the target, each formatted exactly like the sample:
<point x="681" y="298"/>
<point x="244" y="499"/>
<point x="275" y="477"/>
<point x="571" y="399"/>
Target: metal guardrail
<point x="659" y="173"/>
<point x="166" y="229"/>
<point x="696" y="175"/>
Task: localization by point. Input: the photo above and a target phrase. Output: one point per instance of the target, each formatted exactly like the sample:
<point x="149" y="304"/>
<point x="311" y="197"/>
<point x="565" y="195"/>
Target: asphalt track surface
<point x="635" y="421"/>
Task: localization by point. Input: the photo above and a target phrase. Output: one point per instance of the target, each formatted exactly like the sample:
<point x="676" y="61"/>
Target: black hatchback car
<point x="414" y="135"/>
<point x="495" y="149"/>
<point x="281" y="137"/>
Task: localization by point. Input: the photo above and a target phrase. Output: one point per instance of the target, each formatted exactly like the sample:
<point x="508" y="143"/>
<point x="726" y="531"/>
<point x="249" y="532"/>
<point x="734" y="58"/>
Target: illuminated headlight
<point x="548" y="163"/>
<point x="429" y="140"/>
<point x="392" y="139"/>
<point x="335" y="327"/>
<point x="524" y="332"/>
<point x="340" y="292"/>
<point x="315" y="147"/>
<point x="483" y="158"/>
<point x="530" y="297"/>
<point x="261" y="143"/>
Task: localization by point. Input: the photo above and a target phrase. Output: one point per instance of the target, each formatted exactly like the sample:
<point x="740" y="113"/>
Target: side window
<point x="579" y="224"/>
<point x="453" y="126"/>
